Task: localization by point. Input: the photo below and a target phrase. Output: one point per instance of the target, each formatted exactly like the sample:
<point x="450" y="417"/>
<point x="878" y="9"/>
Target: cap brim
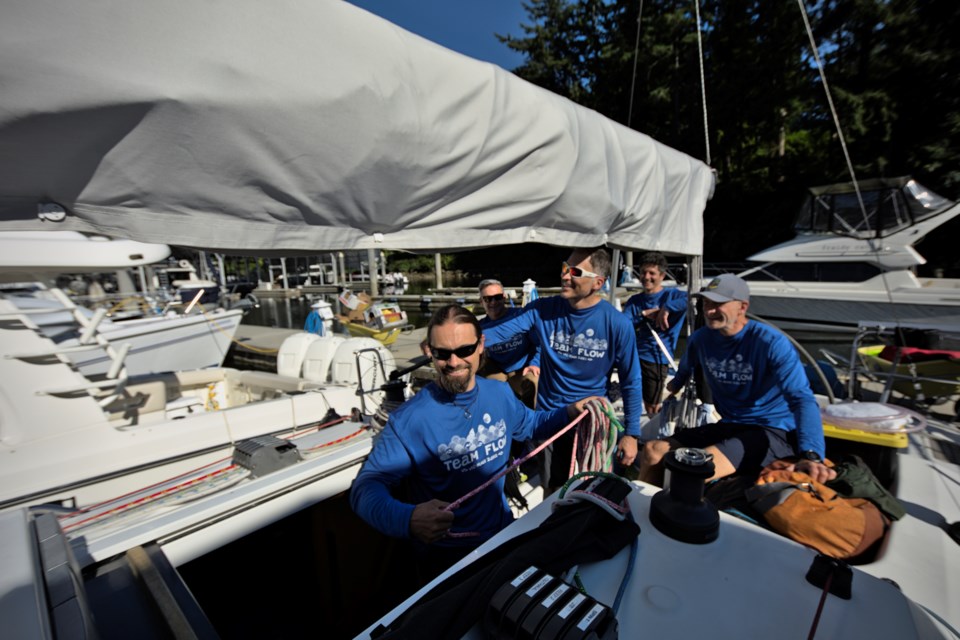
<point x="713" y="297"/>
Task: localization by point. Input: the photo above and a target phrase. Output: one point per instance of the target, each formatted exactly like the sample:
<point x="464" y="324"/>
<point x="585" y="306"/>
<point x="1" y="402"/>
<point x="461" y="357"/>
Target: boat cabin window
<point x="817" y="272"/>
<point x="888" y="207"/>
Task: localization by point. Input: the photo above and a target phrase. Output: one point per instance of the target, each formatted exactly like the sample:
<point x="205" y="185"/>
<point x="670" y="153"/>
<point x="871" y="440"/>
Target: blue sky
<point x="466" y="26"/>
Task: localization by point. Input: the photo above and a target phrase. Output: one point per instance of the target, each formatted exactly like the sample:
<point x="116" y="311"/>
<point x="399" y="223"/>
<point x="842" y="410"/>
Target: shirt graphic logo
<point x="582" y="346"/>
<point x="508" y="345"/>
<point x="732" y="370"/>
<point x="483" y="444"/>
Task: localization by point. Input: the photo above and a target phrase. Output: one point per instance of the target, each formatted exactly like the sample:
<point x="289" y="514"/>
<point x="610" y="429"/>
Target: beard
<point x="452" y="384"/>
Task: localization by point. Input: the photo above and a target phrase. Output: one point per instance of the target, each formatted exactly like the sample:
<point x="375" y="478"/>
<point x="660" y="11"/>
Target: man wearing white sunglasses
<point x="582" y="338"/>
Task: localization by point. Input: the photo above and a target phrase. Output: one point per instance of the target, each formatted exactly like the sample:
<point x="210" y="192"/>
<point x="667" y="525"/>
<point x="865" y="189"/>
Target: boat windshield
<point x="888" y="207"/>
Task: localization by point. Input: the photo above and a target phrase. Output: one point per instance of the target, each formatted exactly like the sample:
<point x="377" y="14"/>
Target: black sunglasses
<point x="465" y="351"/>
<point x="497" y="297"/>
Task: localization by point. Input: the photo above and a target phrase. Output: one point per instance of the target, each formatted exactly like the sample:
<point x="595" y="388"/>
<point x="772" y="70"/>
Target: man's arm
<point x="683" y="369"/>
<point x="370" y="496"/>
<point x="631" y="387"/>
<point x="793" y="384"/>
<point x="672" y="311"/>
<point x="533" y="363"/>
<point x="520" y="323"/>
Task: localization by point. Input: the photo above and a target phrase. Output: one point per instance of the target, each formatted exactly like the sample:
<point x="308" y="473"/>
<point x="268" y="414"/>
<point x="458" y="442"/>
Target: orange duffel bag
<point x="813" y="514"/>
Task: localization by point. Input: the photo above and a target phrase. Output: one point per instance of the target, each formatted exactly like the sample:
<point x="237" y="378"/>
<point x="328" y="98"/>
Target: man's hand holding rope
<point x="627" y="449"/>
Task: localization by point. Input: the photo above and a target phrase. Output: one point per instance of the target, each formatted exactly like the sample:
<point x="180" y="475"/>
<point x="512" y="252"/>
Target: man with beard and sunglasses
<point x="443" y="443"/>
<point x="515" y="361"/>
<point x="582" y="339"/>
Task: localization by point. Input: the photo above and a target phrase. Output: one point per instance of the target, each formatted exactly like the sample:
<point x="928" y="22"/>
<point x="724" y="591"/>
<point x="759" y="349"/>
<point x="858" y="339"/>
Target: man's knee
<point x="651" y="456"/>
<point x="653" y="452"/>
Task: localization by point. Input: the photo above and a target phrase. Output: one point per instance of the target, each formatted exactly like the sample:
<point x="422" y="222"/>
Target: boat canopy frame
<point x="889" y="206"/>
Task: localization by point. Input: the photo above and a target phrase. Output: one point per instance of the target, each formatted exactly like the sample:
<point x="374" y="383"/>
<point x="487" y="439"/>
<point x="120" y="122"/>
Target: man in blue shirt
<point x="582" y="339"/>
<point x="515" y="361"/>
<point x="759" y="388"/>
<point x="443" y="443"/>
<point x="655" y="313"/>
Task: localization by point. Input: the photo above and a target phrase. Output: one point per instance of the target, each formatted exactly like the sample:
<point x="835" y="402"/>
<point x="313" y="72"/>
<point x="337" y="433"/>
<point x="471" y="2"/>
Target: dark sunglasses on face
<point x="462" y="352"/>
<point x="577" y="272"/>
<point x="497" y="297"/>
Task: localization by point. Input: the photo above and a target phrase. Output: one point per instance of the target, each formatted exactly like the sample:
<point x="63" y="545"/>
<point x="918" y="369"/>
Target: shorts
<point x="654" y="378"/>
<point x="748" y="447"/>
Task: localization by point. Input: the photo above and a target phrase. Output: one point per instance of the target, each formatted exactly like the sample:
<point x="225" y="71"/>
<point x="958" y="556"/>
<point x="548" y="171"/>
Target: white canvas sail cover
<point x="287" y="126"/>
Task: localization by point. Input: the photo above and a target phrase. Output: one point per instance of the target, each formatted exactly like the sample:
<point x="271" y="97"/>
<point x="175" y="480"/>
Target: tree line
<point x="890" y="65"/>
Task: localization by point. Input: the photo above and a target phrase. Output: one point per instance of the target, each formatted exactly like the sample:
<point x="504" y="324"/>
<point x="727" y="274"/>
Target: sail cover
<point x="288" y="126"/>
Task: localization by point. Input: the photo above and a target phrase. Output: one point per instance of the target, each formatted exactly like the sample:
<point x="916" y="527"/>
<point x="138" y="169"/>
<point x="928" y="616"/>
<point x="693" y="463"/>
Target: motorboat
<point x="158" y="336"/>
<point x="181" y="279"/>
<point x="70" y="438"/>
<point x="381" y="320"/>
<point x="849" y="263"/>
<point x="918" y="362"/>
<point x="156" y="341"/>
<point x="384" y="336"/>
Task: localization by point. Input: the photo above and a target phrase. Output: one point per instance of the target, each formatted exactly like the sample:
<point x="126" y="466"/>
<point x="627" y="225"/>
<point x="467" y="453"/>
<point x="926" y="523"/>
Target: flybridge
<point x="889" y="206"/>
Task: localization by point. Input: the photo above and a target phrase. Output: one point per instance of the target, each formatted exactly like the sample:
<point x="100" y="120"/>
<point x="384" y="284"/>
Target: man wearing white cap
<point x="759" y="387"/>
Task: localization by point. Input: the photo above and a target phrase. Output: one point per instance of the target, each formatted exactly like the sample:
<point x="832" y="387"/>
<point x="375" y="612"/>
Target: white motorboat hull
<point x="842" y="306"/>
<point x="74" y="439"/>
<point x="161" y="344"/>
<point x="87" y="466"/>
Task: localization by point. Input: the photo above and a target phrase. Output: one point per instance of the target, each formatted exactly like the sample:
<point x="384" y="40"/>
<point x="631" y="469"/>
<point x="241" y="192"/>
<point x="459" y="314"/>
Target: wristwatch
<point x="811" y="455"/>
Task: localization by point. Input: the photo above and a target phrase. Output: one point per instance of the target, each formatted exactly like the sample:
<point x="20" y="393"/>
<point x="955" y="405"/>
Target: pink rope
<point x="456" y="503"/>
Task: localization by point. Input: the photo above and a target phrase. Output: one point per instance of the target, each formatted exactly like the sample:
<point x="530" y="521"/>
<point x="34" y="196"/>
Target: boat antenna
<point x="636" y="55"/>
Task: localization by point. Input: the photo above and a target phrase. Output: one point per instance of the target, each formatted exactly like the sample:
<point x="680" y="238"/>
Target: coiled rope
<point x="595" y="442"/>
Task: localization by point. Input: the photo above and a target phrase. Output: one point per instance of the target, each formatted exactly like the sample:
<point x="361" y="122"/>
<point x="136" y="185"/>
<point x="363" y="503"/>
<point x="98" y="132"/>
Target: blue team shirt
<point x="674" y="301"/>
<point x="443" y="454"/>
<point x="579" y="349"/>
<point x="756" y="378"/>
<point x="516" y="352"/>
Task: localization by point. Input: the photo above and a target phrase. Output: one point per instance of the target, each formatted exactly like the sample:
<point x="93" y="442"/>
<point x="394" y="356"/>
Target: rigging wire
<point x="636" y="55"/>
<point x="703" y="87"/>
<point x="843" y="144"/>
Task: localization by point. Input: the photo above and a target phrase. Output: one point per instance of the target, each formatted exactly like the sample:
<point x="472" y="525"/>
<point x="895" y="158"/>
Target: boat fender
<point x="680" y="511"/>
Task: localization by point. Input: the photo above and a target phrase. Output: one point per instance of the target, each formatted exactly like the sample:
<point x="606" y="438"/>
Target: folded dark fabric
<point x="856" y="480"/>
